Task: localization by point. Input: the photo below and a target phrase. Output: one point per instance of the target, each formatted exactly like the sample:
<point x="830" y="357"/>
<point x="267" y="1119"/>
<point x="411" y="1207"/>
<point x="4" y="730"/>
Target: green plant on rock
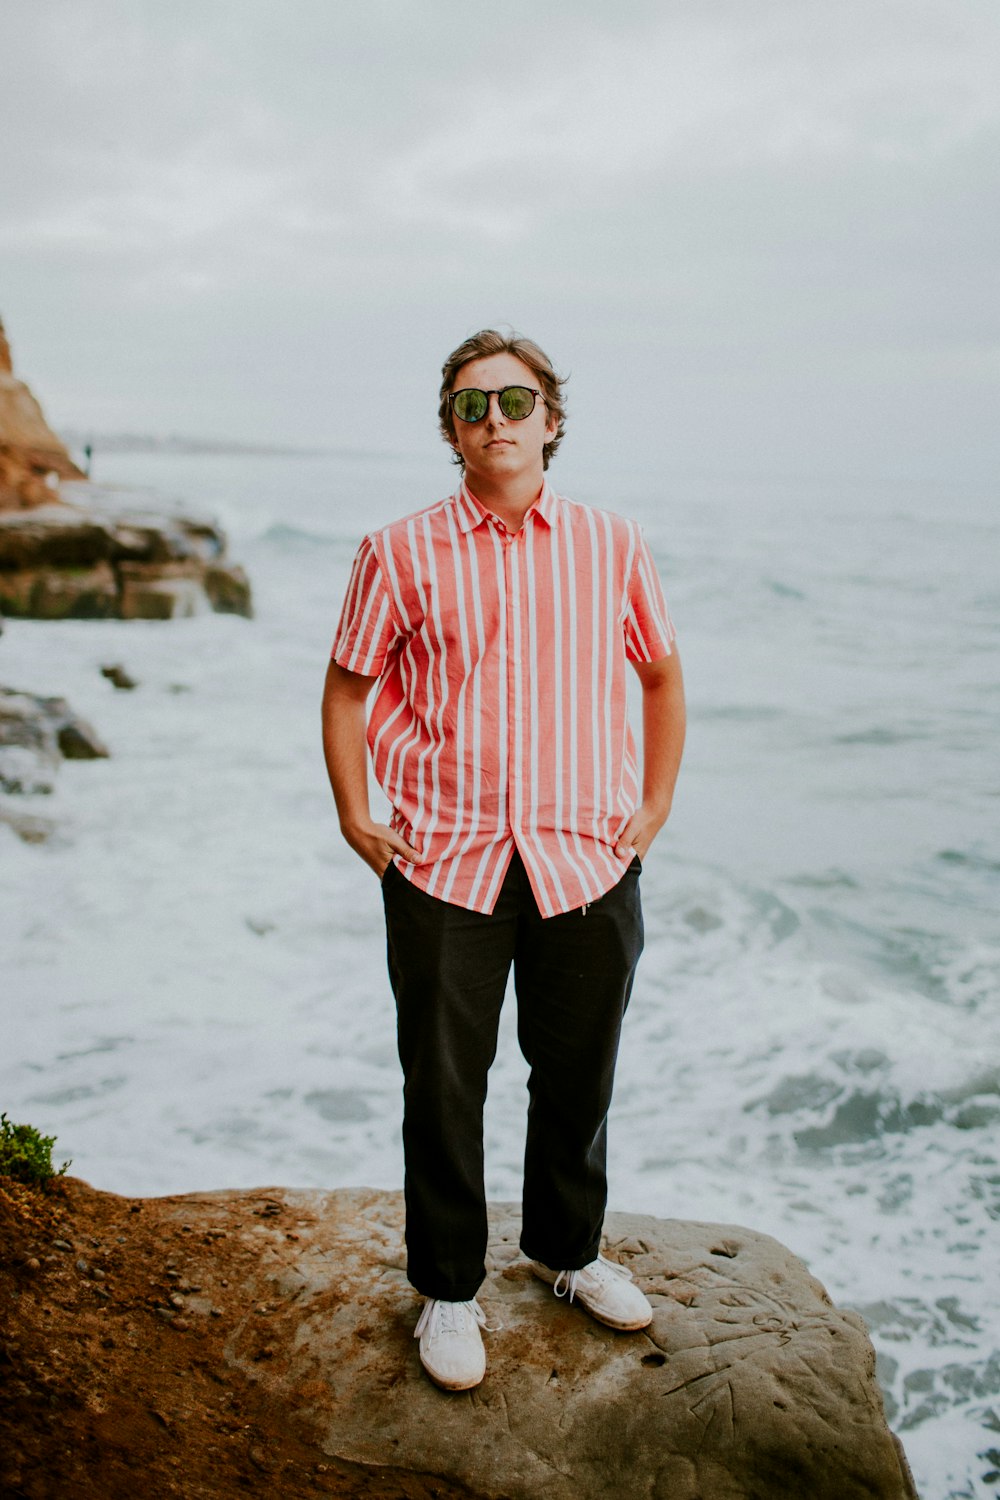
<point x="25" y="1155"/>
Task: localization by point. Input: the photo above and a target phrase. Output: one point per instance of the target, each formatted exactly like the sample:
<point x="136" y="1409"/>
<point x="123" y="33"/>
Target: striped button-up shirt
<point x="499" y="720"/>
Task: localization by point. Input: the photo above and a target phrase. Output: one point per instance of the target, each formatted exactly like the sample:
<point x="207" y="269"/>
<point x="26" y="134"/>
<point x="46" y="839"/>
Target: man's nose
<point x="494" y="416"/>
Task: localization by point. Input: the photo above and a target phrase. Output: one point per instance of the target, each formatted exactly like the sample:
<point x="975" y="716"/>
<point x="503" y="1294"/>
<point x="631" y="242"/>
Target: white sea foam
<point x="194" y="991"/>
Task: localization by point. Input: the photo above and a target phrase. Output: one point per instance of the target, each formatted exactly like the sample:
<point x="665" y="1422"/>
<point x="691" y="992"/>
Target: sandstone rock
<point x="165" y="591"/>
<point x="35" y="734"/>
<point x="29" y="449"/>
<point x="749" y="1384"/>
<point x="39" y="723"/>
<point x="55" y="536"/>
<point x="228" y="589"/>
<point x="61" y="561"/>
<point x="76" y="739"/>
<point x="118" y="676"/>
<point x="61" y="593"/>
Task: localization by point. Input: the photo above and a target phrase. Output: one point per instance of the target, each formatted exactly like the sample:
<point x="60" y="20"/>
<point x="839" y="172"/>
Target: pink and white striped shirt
<point x="499" y="719"/>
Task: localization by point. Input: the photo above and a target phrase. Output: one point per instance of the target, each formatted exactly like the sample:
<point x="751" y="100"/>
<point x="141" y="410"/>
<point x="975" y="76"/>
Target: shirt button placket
<point x="515" y="650"/>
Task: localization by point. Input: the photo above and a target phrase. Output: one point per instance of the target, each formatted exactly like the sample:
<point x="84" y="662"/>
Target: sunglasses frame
<point x="471" y="421"/>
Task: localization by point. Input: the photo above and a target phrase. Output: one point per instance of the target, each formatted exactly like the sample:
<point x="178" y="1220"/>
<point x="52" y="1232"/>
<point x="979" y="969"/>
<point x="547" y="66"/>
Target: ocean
<point x="194" y="990"/>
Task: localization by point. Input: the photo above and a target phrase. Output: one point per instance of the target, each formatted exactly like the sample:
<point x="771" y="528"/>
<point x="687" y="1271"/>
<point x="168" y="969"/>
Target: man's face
<point x="498" y="448"/>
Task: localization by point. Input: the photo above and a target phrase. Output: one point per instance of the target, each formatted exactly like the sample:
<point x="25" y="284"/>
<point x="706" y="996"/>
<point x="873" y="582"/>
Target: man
<point x="496" y="626"/>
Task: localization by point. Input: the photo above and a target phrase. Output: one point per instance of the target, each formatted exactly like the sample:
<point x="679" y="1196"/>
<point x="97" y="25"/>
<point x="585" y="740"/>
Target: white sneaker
<point x="605" y="1289"/>
<point x="451" y="1346"/>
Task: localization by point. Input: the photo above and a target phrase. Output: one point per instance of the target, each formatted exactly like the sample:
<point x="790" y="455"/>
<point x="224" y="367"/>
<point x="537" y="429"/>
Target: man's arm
<point x="663" y="726"/>
<point x="345" y="718"/>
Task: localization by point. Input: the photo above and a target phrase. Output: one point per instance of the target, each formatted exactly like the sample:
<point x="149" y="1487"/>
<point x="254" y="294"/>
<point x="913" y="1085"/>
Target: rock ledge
<point x="749" y="1381"/>
<point x="204" y="1344"/>
<point x="64" y="562"/>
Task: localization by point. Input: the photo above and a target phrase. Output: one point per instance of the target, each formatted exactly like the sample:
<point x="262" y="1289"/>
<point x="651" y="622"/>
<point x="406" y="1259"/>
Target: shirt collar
<point x="472" y="512"/>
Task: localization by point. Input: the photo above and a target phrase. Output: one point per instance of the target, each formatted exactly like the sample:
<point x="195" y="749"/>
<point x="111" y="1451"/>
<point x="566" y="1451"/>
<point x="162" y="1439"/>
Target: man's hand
<point x="344" y="697"/>
<point x="377" y="843"/>
<point x="640" y="831"/>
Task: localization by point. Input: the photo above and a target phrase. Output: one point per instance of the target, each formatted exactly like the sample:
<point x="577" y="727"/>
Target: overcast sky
<point x="761" y="235"/>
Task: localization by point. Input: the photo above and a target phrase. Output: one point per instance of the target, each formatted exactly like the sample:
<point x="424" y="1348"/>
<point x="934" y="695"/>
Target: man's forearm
<point x="664" y="724"/>
<point x="663" y="727"/>
<point x="345" y="719"/>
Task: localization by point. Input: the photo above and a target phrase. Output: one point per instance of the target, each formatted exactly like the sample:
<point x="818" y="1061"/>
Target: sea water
<point x="194" y="990"/>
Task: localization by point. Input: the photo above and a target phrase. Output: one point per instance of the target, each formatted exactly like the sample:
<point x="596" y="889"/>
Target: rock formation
<point x="36" y="735"/>
<point x="749" y="1382"/>
<point x="29" y="449"/>
<point x="47" y="730"/>
<point x="223" y="1343"/>
<point x="62" y="562"/>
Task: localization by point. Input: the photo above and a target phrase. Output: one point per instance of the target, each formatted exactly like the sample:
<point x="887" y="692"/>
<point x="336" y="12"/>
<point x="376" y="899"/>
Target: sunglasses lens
<point x="470" y="405"/>
<point x="517" y="402"/>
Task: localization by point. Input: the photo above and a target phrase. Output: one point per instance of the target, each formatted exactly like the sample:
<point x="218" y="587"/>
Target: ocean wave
<point x="843" y="1111"/>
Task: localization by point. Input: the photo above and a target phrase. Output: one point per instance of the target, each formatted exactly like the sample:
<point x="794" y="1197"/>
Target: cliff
<point x="216" y="1343"/>
<point x="29" y="449"/>
<point x="86" y="561"/>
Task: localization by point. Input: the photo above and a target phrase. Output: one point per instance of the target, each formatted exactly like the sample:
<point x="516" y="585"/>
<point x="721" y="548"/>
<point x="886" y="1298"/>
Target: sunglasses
<point x="515" y="401"/>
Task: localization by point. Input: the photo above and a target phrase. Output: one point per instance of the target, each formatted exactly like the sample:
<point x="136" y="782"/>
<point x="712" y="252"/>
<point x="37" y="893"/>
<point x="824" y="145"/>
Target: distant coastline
<point x="78" y="439"/>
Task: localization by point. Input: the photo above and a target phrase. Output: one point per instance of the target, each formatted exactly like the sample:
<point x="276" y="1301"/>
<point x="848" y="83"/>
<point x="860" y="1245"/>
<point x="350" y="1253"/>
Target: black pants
<point x="573" y="977"/>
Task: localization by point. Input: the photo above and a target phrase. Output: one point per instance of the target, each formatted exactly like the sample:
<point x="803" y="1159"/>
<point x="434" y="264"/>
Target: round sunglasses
<point x="515" y="401"/>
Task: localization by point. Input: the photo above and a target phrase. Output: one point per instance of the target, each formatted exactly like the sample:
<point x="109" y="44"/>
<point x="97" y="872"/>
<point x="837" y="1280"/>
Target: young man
<point x="496" y="627"/>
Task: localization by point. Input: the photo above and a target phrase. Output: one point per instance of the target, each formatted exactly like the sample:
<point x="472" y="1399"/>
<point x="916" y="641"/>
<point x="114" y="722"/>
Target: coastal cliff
<point x="212" y="1343"/>
<point x="29" y="450"/>
<point x="91" y="559"/>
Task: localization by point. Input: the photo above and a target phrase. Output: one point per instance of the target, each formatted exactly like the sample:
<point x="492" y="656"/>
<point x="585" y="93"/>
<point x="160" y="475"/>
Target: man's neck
<point x="510" y="499"/>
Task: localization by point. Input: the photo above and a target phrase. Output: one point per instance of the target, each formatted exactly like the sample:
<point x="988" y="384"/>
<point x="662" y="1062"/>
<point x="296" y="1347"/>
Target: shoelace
<point x="439" y="1317"/>
<point x="566" y="1282"/>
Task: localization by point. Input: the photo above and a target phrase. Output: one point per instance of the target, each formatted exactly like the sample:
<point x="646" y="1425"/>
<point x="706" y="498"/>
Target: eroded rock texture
<point x="63" y="562"/>
<point x="749" y="1385"/>
<point x="60" y="561"/>
<point x="36" y="735"/>
<point x="29" y="449"/>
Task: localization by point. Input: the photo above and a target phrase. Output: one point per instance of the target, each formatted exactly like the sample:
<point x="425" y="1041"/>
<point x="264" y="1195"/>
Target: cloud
<point x="734" y="195"/>
<point x="692" y="98"/>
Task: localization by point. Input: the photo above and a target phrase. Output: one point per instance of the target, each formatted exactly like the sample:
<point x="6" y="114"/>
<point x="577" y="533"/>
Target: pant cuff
<point x="557" y="1262"/>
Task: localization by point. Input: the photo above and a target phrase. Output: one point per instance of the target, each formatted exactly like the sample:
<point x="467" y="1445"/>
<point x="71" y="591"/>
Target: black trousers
<point x="573" y="977"/>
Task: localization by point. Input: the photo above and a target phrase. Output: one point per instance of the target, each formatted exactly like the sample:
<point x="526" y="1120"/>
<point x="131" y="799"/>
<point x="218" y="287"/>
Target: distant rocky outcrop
<point x="88" y="560"/>
<point x="45" y="731"/>
<point x="64" y="562"/>
<point x="29" y="449"/>
<point x="36" y="735"/>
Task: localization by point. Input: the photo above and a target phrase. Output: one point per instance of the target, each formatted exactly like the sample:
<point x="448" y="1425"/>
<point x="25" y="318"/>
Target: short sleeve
<point x="649" y="630"/>
<point x="367" y="627"/>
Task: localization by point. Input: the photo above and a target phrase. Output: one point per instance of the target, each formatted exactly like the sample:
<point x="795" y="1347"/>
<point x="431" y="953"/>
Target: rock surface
<point x="213" y="1343"/>
<point x="749" y="1382"/>
<point x="61" y="561"/>
<point x="29" y="449"/>
<point x="35" y="735"/>
<point x="64" y="562"/>
<point x="46" y="730"/>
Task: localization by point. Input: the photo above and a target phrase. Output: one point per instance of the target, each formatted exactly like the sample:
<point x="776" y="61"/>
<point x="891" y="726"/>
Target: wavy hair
<point x="479" y="346"/>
